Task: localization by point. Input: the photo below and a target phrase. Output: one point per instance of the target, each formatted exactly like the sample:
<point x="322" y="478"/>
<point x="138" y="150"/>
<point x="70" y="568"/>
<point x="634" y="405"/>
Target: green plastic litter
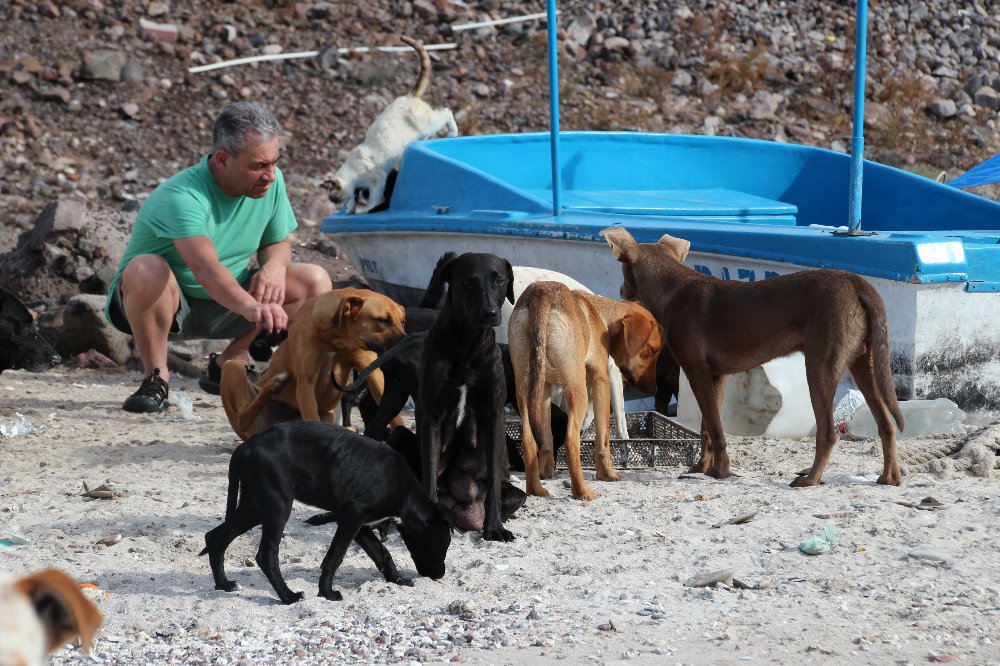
<point x="821" y="543"/>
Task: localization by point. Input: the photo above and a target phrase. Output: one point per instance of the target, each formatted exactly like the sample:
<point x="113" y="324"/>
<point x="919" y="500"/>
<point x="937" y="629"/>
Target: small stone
<point x="157" y="9"/>
<point x="987" y="97"/>
<point x="55" y="94"/>
<point x="711" y="578"/>
<point x="681" y="80"/>
<point x="929" y="554"/>
<point x="943" y="108"/>
<point x="133" y="72"/>
<point x="103" y="64"/>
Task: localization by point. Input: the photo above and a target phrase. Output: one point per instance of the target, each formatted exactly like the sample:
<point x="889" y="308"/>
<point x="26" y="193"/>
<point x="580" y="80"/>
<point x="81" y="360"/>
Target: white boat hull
<point x="944" y="339"/>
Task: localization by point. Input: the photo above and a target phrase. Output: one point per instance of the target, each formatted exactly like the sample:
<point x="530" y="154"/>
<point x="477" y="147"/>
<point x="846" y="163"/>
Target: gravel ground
<point x="603" y="581"/>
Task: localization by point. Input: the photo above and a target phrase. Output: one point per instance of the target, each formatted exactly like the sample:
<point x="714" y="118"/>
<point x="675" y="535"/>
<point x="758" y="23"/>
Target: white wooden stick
<point x="483" y="24"/>
<point x="313" y="54"/>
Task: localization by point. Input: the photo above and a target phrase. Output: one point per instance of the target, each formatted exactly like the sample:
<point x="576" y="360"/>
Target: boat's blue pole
<point x="551" y="27"/>
<point x="858" y="135"/>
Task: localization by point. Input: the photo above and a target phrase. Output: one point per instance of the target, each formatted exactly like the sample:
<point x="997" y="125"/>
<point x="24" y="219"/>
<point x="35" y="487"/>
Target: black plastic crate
<point x="656" y="441"/>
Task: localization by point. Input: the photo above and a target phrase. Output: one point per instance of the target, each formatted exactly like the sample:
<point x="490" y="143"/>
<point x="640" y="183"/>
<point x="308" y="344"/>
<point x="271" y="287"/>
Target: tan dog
<point x="332" y="334"/>
<point x="717" y="327"/>
<point x="560" y="337"/>
<point x="39" y="613"/>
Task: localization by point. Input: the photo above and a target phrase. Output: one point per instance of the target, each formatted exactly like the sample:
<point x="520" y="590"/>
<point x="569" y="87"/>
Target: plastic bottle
<point x="845" y="409"/>
<point x="921" y="417"/>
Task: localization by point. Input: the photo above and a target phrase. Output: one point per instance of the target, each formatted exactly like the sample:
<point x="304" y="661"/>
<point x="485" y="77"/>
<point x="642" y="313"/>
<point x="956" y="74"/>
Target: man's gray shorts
<point x="196" y="318"/>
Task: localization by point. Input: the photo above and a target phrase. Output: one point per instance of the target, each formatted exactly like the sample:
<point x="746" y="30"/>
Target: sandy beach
<point x="604" y="582"/>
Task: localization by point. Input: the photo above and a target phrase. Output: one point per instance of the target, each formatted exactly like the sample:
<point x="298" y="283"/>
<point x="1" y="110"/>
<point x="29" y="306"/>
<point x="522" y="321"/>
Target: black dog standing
<point x="359" y="481"/>
<point x="462" y="377"/>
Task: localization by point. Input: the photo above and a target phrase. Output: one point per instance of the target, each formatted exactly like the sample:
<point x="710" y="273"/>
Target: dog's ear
<point x="679" y="247"/>
<point x="333" y="185"/>
<point x="510" y="281"/>
<point x="445" y="266"/>
<point x="349" y="309"/>
<point x="61" y="607"/>
<point x="12" y="307"/>
<point x="436" y="286"/>
<point x="635" y="331"/>
<point x="622" y="244"/>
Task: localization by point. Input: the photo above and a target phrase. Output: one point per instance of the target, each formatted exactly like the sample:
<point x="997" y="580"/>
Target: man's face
<point x="250" y="172"/>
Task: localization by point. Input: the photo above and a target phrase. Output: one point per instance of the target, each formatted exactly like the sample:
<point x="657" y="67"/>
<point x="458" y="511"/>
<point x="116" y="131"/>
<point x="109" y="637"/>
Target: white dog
<point x="40" y="612"/>
<point x="525" y="275"/>
<point x="407" y="119"/>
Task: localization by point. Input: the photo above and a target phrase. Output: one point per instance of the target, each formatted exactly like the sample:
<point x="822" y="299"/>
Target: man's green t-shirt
<point x="191" y="204"/>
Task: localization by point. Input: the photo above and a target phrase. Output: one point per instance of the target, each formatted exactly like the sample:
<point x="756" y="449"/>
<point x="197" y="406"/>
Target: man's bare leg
<point x="150" y="297"/>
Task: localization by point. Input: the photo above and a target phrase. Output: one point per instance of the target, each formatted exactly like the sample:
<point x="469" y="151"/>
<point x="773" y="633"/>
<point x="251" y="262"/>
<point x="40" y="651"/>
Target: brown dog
<point x="39" y="613"/>
<point x="331" y="335"/>
<point x="717" y="327"/>
<point x="560" y="337"/>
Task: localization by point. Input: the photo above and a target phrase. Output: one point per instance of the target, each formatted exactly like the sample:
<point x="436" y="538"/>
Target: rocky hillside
<point x="97" y="103"/>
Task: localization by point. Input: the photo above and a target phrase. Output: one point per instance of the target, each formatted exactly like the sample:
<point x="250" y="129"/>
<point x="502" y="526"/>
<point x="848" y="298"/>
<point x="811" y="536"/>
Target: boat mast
<point x="858" y="134"/>
<point x="551" y="28"/>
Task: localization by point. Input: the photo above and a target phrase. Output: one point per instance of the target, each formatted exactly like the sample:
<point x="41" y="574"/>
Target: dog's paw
<point x="228" y="586"/>
<point x="803" y="482"/>
<point x="612" y="476"/>
<point x="331" y="595"/>
<point x="701" y="467"/>
<point x="890" y="479"/>
<point x="408" y="582"/>
<point x="292" y="598"/>
<point x="498" y="534"/>
<point x="539" y="491"/>
<point x="585" y="495"/>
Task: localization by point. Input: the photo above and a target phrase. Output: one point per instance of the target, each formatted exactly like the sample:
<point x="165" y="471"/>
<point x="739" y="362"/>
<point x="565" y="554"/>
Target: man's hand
<point x="267" y="316"/>
<point x="268" y="284"/>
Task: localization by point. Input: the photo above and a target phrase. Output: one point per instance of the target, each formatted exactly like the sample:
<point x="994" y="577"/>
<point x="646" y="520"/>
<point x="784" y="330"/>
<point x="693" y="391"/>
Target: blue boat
<point x="752" y="209"/>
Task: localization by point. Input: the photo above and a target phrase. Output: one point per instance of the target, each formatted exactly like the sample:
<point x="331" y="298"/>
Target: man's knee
<point x="146" y="270"/>
<point x="312" y="279"/>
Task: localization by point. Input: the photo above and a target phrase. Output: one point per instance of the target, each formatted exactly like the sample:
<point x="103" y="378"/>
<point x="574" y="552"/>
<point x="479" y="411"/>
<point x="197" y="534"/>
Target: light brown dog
<point x="331" y="335"/>
<point x="39" y="613"/>
<point x="718" y="327"/>
<point x="560" y="337"/>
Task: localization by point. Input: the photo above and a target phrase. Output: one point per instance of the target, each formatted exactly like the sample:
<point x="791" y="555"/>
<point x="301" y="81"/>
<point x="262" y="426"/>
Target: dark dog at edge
<point x="358" y="481"/>
<point x="462" y="371"/>
<point x="21" y="345"/>
<point x="718" y="327"/>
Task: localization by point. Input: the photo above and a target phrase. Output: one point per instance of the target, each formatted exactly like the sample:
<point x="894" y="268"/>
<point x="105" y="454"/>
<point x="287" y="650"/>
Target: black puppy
<point x="461" y="371"/>
<point x="21" y="345"/>
<point x="358" y="481"/>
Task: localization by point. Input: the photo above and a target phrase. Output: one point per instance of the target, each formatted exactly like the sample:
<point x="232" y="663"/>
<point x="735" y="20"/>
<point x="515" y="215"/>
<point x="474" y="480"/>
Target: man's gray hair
<point x="240" y="119"/>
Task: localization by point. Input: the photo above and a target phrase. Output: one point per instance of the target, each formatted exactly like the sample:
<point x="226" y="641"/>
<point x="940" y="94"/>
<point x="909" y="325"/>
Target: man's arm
<point x="200" y="255"/>
<point x="268" y="285"/>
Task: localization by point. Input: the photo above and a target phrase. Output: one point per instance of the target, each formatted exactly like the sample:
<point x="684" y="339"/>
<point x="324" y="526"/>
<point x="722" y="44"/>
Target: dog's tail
<point x="233" y="494"/>
<point x="435" y="288"/>
<point x="425" y="66"/>
<point x="539" y="310"/>
<point x="878" y="331"/>
<point x="400" y="348"/>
